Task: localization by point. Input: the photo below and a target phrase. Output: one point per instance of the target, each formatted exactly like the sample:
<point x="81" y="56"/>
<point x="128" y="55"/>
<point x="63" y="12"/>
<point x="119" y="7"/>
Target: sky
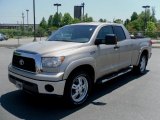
<point x="11" y="10"/>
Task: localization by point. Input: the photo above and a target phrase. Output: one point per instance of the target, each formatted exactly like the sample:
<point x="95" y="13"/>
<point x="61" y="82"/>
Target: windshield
<point x="73" y="33"/>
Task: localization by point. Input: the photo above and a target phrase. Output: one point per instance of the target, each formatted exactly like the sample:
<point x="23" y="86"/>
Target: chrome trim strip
<point x="35" y="56"/>
<point x="122" y="73"/>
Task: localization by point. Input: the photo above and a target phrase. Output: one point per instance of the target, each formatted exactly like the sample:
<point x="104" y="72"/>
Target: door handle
<point x="116" y="47"/>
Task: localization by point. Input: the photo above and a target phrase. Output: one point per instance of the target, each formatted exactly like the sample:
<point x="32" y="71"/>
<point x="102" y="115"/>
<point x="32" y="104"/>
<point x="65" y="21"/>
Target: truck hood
<point x="45" y="47"/>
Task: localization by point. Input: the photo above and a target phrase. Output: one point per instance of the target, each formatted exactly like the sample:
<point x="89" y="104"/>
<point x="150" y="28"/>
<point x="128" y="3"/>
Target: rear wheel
<point x="141" y="68"/>
<point x="77" y="88"/>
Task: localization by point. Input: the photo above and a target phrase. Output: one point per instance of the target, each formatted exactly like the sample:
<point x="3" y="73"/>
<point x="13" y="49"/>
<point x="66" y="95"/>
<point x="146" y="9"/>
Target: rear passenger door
<point x="125" y="47"/>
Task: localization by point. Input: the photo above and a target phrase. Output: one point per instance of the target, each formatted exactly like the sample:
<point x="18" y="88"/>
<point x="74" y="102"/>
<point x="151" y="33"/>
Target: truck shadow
<point x="28" y="107"/>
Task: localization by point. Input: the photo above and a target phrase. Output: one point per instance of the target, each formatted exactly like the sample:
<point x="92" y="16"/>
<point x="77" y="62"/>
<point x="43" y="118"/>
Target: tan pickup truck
<point x="77" y="56"/>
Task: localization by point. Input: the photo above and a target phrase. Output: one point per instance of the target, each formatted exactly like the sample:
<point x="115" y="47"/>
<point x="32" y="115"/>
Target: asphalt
<point x="129" y="97"/>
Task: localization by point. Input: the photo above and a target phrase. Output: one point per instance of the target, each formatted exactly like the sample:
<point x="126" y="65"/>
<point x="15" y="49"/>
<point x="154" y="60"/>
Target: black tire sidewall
<point x="139" y="65"/>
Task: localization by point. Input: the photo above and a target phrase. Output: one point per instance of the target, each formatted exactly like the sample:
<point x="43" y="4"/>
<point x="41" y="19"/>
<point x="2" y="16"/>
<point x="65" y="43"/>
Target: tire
<point x="77" y="88"/>
<point x="141" y="68"/>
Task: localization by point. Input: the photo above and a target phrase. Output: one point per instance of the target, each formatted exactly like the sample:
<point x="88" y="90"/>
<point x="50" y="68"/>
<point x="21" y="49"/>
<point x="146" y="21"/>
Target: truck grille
<point x="24" y="63"/>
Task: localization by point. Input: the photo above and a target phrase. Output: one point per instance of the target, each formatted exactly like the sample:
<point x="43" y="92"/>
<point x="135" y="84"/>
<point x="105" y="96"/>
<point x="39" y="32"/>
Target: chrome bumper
<point x="37" y="82"/>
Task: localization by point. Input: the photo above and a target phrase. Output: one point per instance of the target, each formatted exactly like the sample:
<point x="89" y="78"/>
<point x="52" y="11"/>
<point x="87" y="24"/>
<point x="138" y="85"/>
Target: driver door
<point x="107" y="55"/>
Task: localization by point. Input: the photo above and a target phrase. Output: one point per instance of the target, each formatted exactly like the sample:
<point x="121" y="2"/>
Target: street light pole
<point x="27" y="17"/>
<point x="34" y="20"/>
<point x="145" y="20"/>
<point x="82" y="5"/>
<point x="23" y="20"/>
<point x="58" y="5"/>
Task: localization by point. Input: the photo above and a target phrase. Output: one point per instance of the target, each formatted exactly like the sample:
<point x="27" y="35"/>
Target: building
<point x="17" y="26"/>
<point x="78" y="12"/>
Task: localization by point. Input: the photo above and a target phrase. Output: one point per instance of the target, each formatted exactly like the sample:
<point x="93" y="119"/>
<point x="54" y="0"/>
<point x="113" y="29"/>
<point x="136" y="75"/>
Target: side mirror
<point x="110" y="39"/>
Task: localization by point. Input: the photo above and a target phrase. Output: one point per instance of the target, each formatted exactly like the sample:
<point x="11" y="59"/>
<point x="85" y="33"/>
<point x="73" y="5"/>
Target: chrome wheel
<point x="79" y="88"/>
<point x="143" y="64"/>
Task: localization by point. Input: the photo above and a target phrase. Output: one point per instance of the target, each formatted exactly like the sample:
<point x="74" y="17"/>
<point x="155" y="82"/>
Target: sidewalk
<point x="155" y="43"/>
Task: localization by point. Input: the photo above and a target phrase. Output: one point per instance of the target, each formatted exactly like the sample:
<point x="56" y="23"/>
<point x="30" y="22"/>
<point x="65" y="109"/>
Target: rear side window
<point x="104" y="31"/>
<point x="119" y="33"/>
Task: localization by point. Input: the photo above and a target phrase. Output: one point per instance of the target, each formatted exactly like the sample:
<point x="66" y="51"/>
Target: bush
<point x="15" y="32"/>
<point x="152" y="34"/>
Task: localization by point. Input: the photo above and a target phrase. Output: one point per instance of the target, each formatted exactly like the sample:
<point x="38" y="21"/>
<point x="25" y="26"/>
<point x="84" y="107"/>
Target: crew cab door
<point x="107" y="55"/>
<point x="125" y="47"/>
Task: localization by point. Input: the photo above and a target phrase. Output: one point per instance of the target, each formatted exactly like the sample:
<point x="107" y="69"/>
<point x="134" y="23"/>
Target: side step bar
<point x="114" y="75"/>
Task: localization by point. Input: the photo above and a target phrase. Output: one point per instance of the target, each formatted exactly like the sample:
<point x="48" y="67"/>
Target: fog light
<point x="49" y="88"/>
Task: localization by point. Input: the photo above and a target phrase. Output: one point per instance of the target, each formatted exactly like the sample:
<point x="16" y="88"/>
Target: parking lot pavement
<point x="17" y="42"/>
<point x="128" y="97"/>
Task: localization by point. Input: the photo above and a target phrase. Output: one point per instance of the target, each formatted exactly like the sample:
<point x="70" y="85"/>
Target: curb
<point x="155" y="46"/>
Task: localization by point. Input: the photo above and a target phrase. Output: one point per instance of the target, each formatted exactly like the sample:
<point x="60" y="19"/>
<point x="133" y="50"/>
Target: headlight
<point x="51" y="62"/>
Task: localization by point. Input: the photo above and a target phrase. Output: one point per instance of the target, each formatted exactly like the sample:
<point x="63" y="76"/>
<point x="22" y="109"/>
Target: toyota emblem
<point x="21" y="62"/>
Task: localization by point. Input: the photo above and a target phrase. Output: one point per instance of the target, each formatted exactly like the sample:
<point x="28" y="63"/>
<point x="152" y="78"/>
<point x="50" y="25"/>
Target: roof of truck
<point x="96" y="23"/>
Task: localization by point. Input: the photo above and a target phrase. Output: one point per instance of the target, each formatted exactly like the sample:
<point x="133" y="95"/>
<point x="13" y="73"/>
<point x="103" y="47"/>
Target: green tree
<point x="158" y="25"/>
<point x="134" y="16"/>
<point x="153" y="18"/>
<point x="40" y="32"/>
<point x="76" y="20"/>
<point x="50" y="21"/>
<point x="126" y="22"/>
<point x="87" y="19"/>
<point x="151" y="29"/>
<point x="67" y="19"/>
<point x="57" y="18"/>
<point x="102" y="20"/>
<point x="43" y="23"/>
<point x="118" y="21"/>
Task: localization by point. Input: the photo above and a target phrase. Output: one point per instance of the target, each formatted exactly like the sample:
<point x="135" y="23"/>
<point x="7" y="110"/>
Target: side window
<point x="104" y="31"/>
<point x="119" y="33"/>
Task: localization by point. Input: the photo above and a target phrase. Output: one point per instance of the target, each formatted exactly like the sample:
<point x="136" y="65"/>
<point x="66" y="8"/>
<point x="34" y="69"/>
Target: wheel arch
<point x="86" y="68"/>
<point x="84" y="63"/>
<point x="143" y="52"/>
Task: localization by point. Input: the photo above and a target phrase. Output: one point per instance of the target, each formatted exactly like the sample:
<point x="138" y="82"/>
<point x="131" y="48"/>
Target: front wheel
<point x="77" y="88"/>
<point x="141" y="68"/>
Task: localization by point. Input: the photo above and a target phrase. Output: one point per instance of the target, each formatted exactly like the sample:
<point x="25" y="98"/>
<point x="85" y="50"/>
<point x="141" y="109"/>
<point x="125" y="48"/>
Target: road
<point x="128" y="97"/>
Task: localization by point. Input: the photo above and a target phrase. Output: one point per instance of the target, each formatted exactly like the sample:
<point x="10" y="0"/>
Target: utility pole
<point x="27" y="18"/>
<point x="23" y="20"/>
<point x="82" y="5"/>
<point x="34" y="21"/>
<point x="145" y="19"/>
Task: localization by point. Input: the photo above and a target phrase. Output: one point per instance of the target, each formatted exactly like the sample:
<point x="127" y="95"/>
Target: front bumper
<point x="37" y="82"/>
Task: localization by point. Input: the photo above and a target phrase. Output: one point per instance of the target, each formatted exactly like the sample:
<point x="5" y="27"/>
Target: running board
<point x="114" y="75"/>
